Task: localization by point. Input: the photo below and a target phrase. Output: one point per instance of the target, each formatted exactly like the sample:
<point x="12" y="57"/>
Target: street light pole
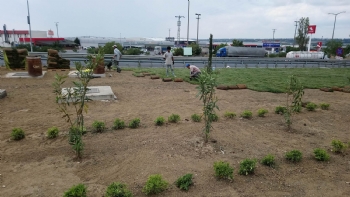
<point x="188" y="20"/>
<point x="295" y="32"/>
<point x="57" y="29"/>
<point x="273" y="35"/>
<point x="30" y="28"/>
<point x="335" y="19"/>
<point x="198" y="15"/>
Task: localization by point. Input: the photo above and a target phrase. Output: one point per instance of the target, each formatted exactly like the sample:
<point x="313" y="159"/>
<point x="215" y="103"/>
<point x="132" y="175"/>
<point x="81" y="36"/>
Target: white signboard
<point x="187" y="51"/>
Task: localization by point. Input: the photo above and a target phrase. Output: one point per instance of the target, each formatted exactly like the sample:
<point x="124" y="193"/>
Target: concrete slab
<point x="22" y="75"/>
<point x="3" y="93"/>
<point x="97" y="93"/>
<point x="75" y="74"/>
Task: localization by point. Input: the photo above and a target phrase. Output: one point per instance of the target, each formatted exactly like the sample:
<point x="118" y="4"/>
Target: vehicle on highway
<point x="230" y="51"/>
<point x="306" y="54"/>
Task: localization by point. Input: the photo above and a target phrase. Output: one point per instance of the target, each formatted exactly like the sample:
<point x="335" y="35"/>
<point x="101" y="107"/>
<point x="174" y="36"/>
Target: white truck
<point x="305" y="55"/>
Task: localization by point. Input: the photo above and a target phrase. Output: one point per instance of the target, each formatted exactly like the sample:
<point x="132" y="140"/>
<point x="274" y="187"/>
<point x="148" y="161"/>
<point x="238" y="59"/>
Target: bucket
<point x="34" y="66"/>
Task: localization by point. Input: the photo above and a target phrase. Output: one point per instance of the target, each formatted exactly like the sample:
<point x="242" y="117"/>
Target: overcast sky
<point x="153" y="18"/>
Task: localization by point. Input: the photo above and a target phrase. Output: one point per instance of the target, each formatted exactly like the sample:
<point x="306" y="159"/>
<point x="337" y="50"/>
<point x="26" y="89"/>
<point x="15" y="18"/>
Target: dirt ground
<point x="37" y="166"/>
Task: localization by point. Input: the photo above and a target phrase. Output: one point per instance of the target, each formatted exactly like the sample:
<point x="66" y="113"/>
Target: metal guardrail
<point x="222" y="61"/>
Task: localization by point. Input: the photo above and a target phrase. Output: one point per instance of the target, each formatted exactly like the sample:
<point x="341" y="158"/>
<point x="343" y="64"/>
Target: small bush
<point x="311" y="106"/>
<point x="118" y="190"/>
<point x="229" y="115"/>
<point x="223" y="170"/>
<point x="268" y="160"/>
<point x="214" y="117"/>
<point x="159" y="121"/>
<point x="118" y="124"/>
<point x="196" y="118"/>
<point x="154" y="185"/>
<point x="338" y="146"/>
<point x="294" y="156"/>
<point x="17" y="134"/>
<point x="262" y="112"/>
<point x="76" y="191"/>
<point x="135" y="123"/>
<point x="75" y="134"/>
<point x="174" y="118"/>
<point x="321" y="155"/>
<point x="247" y="166"/>
<point x="184" y="182"/>
<point x="98" y="126"/>
<point x="324" y="106"/>
<point x="246" y="114"/>
<point x="280" y="110"/>
<point x="52" y="132"/>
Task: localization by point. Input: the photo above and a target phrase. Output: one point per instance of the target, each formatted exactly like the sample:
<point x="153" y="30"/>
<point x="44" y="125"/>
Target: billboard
<point x="266" y="44"/>
<point x="311" y="29"/>
<point x="187" y="50"/>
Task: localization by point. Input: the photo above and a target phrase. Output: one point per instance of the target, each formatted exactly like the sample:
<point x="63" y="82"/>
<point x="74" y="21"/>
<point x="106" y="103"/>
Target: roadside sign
<point x="266" y="44"/>
<point x="311" y="29"/>
<point x="340" y="51"/>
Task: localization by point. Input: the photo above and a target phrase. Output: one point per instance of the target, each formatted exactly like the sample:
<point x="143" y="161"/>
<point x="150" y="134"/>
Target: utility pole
<point x="178" y="28"/>
<point x="57" y="28"/>
<point x="198" y="15"/>
<point x="30" y="28"/>
<point x="188" y="20"/>
<point x="169" y="32"/>
<point x="295" y="32"/>
<point x="335" y="19"/>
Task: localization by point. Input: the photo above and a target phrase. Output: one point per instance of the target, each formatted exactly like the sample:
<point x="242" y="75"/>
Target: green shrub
<point x="214" y="117"/>
<point x="338" y="146"/>
<point x="184" y="182"/>
<point x="321" y="155"/>
<point x="52" y="132"/>
<point x="246" y="114"/>
<point x="117" y="190"/>
<point x="75" y="134"/>
<point x="324" y="106"/>
<point x="98" y="126"/>
<point x="268" y="160"/>
<point x="229" y="115"/>
<point x="280" y="110"/>
<point x="17" y="134"/>
<point x="159" y="121"/>
<point x="294" y="156"/>
<point x="262" y="112"/>
<point x="311" y="106"/>
<point x="76" y="191"/>
<point x="174" y="118"/>
<point x="118" y="124"/>
<point x="196" y="118"/>
<point x="223" y="170"/>
<point x="154" y="185"/>
<point x="247" y="166"/>
<point x="135" y="123"/>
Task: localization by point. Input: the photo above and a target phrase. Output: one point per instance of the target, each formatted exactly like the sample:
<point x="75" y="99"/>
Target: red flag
<point x="312" y="29"/>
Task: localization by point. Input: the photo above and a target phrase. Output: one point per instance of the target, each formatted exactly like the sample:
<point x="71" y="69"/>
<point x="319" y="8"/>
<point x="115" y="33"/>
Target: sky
<point x="154" y="18"/>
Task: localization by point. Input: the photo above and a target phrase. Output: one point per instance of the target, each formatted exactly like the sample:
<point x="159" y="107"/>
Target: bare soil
<point x="37" y="166"/>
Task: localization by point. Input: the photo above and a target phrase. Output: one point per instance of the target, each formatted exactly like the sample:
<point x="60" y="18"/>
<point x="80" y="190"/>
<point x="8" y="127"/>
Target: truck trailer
<point x="306" y="55"/>
<point x="230" y="51"/>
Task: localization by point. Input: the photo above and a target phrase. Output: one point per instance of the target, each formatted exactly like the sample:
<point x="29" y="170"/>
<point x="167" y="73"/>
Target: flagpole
<point x="30" y="29"/>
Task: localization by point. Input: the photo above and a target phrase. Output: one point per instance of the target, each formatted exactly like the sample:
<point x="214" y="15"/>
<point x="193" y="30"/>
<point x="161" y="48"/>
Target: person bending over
<point x="194" y="71"/>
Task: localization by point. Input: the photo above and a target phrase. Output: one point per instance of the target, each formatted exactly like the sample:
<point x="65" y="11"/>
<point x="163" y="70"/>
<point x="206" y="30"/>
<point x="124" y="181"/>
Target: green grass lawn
<point x="268" y="80"/>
